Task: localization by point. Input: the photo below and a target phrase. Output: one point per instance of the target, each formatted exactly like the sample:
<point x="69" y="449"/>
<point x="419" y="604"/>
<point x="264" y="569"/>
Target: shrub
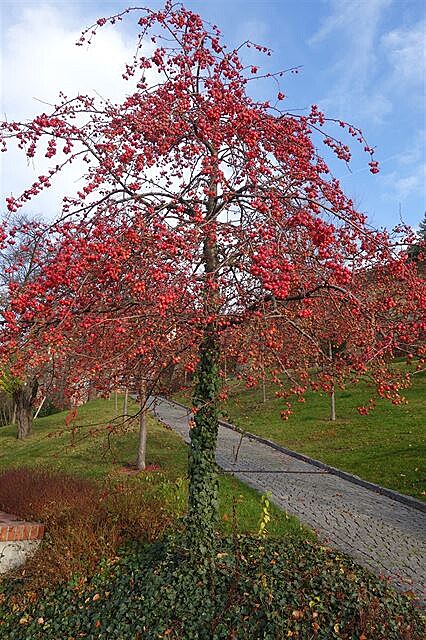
<point x="84" y="521"/>
<point x="257" y="589"/>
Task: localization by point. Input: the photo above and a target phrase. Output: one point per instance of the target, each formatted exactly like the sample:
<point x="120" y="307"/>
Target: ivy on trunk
<point x="202" y="469"/>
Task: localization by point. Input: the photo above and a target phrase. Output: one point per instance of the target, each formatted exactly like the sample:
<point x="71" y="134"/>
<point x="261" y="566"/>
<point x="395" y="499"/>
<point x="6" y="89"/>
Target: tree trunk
<point x="332" y="405"/>
<point x="24" y="397"/>
<point x="40" y="407"/>
<point x="125" y="401"/>
<point x="332" y="397"/>
<point x="141" y="459"/>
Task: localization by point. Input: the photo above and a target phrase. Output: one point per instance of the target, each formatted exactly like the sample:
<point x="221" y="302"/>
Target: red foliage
<point x="190" y="160"/>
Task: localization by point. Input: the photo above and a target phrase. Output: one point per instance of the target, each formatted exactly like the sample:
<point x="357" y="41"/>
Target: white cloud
<point x="415" y="152"/>
<point x="355" y="24"/>
<point x="39" y="59"/>
<point x="357" y="19"/>
<point x="372" y="67"/>
<point x="402" y="184"/>
<point x="375" y="105"/>
<point x="253" y="30"/>
<point x="405" y="186"/>
<point x="406" y="51"/>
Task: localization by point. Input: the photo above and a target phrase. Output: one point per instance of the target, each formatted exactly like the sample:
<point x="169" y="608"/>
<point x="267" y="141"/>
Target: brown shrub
<point x="84" y="522"/>
<point x="31" y="493"/>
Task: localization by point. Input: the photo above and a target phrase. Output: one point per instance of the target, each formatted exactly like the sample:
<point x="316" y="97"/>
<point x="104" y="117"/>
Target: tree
<point x="7" y="408"/>
<point x="422" y="228"/>
<point x="20" y="261"/>
<point x="109" y="316"/>
<point x="416" y="245"/>
<point x="228" y="192"/>
<point x="325" y="342"/>
<point x="153" y="342"/>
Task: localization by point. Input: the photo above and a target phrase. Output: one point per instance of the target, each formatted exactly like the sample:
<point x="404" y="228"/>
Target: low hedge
<point x="253" y="589"/>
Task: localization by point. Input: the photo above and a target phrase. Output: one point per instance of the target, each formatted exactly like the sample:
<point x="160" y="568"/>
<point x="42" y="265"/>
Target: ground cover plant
<point x="386" y="447"/>
<point x="261" y="589"/>
<point x="85" y="522"/>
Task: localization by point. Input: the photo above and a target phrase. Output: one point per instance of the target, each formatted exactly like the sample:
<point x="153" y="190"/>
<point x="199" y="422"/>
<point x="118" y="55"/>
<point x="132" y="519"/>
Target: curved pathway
<point x="381" y="533"/>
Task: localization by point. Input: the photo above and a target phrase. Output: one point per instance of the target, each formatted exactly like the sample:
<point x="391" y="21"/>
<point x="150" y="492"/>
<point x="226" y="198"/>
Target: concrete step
<point x="18" y="540"/>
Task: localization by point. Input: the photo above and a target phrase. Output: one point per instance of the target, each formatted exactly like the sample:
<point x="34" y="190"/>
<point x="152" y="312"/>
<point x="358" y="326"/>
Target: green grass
<point x="88" y="453"/>
<point x="387" y="446"/>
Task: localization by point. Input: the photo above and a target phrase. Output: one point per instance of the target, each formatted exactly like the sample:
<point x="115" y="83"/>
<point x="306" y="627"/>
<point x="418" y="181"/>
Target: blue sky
<point x="361" y="60"/>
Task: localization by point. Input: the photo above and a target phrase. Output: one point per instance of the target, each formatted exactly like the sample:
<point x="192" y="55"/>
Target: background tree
<point x="7" y="406"/>
<point x="416" y="245"/>
<point x="422" y="228"/>
<point x="126" y="317"/>
<point x="20" y="262"/>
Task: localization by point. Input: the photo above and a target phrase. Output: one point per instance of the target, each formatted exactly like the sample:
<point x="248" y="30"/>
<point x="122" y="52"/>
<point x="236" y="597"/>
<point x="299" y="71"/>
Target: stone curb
<point x="389" y="493"/>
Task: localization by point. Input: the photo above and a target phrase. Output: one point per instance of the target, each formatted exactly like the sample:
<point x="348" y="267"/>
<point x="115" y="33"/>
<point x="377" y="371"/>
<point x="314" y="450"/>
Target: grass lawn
<point x="88" y="454"/>
<point x="387" y="447"/>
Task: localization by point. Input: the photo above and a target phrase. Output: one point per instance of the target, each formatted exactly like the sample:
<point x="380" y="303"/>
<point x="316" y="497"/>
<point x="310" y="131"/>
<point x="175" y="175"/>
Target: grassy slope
<point x="386" y="447"/>
<point x="52" y="446"/>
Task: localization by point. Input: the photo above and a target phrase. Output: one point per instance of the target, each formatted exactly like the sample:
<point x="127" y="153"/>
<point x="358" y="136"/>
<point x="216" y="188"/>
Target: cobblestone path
<point x="381" y="533"/>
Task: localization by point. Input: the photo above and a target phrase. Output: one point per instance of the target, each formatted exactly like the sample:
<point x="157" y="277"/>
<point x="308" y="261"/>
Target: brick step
<point x="13" y="529"/>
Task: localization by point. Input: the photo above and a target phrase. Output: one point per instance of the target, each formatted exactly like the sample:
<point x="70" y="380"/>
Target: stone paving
<point x="379" y="532"/>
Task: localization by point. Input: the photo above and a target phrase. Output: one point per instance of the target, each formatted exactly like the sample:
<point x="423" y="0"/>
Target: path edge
<point x="350" y="477"/>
